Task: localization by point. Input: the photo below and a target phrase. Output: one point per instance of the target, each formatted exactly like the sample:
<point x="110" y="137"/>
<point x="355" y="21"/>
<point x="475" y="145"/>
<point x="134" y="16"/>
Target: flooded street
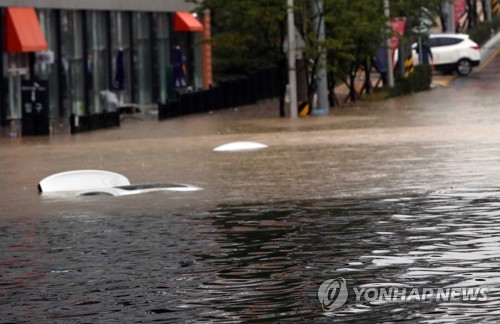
<point x="398" y="193"/>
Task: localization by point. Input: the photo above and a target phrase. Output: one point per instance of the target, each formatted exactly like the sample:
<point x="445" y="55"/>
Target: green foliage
<point x="482" y="32"/>
<point x="355" y="31"/>
<point x="419" y="80"/>
<point x="245" y="33"/>
<point x="250" y="33"/>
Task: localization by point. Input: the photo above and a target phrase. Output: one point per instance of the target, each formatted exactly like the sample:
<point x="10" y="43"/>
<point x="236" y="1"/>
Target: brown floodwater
<point x="403" y="191"/>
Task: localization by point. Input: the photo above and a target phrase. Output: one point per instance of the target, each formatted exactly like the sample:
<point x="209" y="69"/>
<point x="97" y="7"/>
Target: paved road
<point x="487" y="77"/>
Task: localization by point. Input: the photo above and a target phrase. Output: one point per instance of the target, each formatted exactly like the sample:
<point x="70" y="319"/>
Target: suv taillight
<point x="475" y="47"/>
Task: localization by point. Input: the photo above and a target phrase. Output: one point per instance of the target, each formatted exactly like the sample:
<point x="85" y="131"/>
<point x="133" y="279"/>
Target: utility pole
<point x="487" y="10"/>
<point x="390" y="66"/>
<point x="322" y="81"/>
<point x="292" y="69"/>
<point x="450" y="21"/>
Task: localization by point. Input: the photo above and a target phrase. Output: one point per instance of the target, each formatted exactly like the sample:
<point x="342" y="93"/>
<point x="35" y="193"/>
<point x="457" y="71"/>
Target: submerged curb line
<point x="490" y="47"/>
<point x="489" y="51"/>
<point x="488" y="60"/>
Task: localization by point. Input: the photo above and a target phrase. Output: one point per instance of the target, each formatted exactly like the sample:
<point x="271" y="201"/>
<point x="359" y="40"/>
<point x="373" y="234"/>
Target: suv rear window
<point x="443" y="41"/>
<point x="446" y="41"/>
<point x="432" y="42"/>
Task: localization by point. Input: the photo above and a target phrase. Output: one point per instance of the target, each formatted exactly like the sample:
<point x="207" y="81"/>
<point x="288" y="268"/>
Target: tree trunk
<point x="302" y="86"/>
<point x="471" y="13"/>
<point x="368" y="81"/>
<point x="353" y="94"/>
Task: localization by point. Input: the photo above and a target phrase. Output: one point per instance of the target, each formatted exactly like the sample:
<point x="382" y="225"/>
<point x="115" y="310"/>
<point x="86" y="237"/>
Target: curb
<point x="491" y="57"/>
<point x="442" y="81"/>
<point x="490" y="48"/>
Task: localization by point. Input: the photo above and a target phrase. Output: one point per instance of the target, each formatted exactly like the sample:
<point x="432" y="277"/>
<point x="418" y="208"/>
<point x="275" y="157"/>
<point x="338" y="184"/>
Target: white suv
<point x="451" y="52"/>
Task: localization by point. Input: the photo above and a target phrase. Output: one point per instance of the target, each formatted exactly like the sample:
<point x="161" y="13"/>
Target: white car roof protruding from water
<point x="243" y="146"/>
<point x="82" y="180"/>
<point x="101" y="183"/>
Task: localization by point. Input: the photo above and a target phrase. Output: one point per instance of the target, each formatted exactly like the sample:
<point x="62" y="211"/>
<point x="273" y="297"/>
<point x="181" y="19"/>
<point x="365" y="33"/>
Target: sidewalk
<point x="488" y="52"/>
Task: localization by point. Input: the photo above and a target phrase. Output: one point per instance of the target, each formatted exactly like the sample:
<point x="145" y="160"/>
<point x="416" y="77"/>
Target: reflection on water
<point x="264" y="262"/>
<point x="400" y="192"/>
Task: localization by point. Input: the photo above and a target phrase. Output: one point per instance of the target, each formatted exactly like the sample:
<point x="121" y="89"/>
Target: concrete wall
<point x="117" y="5"/>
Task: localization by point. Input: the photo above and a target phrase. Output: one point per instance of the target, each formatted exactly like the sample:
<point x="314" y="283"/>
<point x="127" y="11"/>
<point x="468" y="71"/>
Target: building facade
<point x="84" y="47"/>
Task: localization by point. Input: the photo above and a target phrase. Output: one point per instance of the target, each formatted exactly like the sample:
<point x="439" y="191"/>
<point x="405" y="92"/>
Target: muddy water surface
<point x="401" y="192"/>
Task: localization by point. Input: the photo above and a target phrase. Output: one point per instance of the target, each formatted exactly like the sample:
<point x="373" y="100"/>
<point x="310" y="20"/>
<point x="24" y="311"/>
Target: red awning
<point x="184" y="21"/>
<point x="24" y="33"/>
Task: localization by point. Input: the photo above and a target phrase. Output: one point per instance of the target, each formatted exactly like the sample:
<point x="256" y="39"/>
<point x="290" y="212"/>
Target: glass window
<point x="443" y="41"/>
<point x="162" y="24"/>
<point x="73" y="61"/>
<point x="183" y="42"/>
<point x="120" y="43"/>
<point x="48" y="71"/>
<point x="432" y="42"/>
<point x="142" y="57"/>
<point x="17" y="69"/>
<point x="97" y="58"/>
<point x="447" y="41"/>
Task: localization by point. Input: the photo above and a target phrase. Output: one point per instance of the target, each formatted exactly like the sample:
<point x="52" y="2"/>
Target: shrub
<point x="419" y="80"/>
<point x="483" y="31"/>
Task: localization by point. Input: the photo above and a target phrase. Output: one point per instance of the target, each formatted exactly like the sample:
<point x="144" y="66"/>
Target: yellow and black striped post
<point x="495" y="6"/>
<point x="304" y="108"/>
<point x="409" y="66"/>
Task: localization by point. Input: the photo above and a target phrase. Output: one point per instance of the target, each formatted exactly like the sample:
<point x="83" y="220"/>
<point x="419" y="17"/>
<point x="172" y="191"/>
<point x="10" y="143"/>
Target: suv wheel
<point x="464" y="67"/>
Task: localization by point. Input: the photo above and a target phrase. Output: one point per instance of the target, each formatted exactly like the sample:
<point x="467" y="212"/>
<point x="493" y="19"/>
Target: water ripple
<point x="255" y="262"/>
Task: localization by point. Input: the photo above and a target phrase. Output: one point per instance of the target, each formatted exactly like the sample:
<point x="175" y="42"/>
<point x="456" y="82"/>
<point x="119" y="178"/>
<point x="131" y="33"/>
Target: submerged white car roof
<point x="99" y="182"/>
<point x="82" y="180"/>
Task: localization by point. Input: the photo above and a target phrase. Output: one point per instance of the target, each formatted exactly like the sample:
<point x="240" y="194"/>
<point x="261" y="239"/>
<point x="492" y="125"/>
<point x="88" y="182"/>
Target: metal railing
<point x="257" y="85"/>
<point x="87" y="123"/>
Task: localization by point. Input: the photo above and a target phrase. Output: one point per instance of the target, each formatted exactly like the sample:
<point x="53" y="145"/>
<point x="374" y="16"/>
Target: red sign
<point x="398" y="27"/>
<point x="459" y="10"/>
